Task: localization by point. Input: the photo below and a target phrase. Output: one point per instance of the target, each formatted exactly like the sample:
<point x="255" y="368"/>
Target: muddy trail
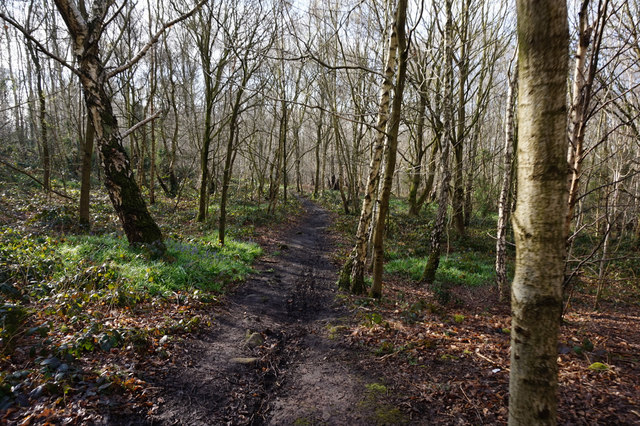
<point x="272" y="355"/>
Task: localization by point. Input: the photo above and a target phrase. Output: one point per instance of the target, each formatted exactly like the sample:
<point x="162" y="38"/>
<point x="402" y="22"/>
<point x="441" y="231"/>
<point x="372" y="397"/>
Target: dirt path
<point x="295" y="372"/>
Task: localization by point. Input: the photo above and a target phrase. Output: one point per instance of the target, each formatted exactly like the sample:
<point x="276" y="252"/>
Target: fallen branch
<point x="35" y="179"/>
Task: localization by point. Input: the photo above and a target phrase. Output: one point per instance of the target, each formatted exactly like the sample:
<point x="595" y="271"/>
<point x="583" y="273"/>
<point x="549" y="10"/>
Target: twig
<point x="471" y="403"/>
<point x="495" y="238"/>
<point x="39" y="45"/>
<point x="490" y="360"/>
<point x="389" y="355"/>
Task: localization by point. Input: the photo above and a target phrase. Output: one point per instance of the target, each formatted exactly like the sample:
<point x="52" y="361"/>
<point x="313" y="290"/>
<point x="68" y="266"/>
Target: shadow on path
<point x="298" y="375"/>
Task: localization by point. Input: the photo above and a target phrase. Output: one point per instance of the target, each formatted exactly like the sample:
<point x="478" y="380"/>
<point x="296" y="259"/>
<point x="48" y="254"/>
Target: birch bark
<point x="504" y="206"/>
<point x="352" y="274"/>
<point x="391" y="149"/>
<point x="538" y="222"/>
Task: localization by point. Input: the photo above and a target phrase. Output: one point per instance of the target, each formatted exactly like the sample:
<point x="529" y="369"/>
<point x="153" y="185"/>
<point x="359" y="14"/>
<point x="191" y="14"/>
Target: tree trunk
<point x="504" y="206"/>
<point x="203" y="201"/>
<point x="42" y="118"/>
<point x="228" y="165"/>
<point x="341" y="156"/>
<point x="431" y="174"/>
<point x="317" y="178"/>
<point x="610" y="217"/>
<point x="457" y="201"/>
<point x="280" y="162"/>
<point x="416" y="168"/>
<point x="390" y="150"/>
<point x="541" y="207"/>
<point x="471" y="174"/>
<point x="85" y="174"/>
<point x="583" y="77"/>
<point x="152" y="170"/>
<point x="353" y="274"/>
<point x="433" y="261"/>
<point x="142" y="152"/>
<point x="125" y="195"/>
<point x="152" y="166"/>
<point x="173" y="179"/>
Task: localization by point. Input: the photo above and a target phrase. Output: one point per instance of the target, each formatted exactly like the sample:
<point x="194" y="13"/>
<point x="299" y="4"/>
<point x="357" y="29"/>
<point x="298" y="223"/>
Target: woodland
<point x="320" y="212"/>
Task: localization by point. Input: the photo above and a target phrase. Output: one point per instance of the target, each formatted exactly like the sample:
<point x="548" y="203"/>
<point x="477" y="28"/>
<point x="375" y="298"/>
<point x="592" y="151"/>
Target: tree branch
<point x="39" y="45"/>
<point x="72" y="17"/>
<point x="140" y="124"/>
<point x="154" y="40"/>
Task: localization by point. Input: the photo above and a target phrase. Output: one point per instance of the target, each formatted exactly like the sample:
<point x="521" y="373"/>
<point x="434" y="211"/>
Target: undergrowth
<point x="69" y="300"/>
<point x="193" y="263"/>
<point x="467" y="261"/>
<point x="470" y="269"/>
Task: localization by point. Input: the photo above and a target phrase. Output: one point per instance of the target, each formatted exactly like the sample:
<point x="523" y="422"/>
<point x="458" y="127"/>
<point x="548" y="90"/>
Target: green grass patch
<point x="468" y="269"/>
<point x="195" y="263"/>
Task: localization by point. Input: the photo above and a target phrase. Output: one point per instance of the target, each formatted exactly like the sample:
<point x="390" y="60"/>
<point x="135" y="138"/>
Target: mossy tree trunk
<point x="538" y="222"/>
<point x="123" y="191"/>
<point x="86" y="30"/>
<point x="119" y="181"/>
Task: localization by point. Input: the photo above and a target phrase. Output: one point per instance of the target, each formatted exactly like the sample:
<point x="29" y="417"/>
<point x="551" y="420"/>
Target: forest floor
<point x="321" y="357"/>
<point x="286" y="347"/>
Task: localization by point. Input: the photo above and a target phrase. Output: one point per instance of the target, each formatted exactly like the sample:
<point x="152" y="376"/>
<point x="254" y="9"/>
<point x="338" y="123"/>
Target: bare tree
<point x="391" y="148"/>
<point x="352" y="273"/>
<point x="86" y="27"/>
<point x="429" y="273"/>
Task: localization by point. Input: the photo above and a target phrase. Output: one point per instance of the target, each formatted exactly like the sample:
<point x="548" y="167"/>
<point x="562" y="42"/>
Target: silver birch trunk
<point x="457" y="199"/>
<point x="538" y="222"/>
<point x="433" y="261"/>
<point x="583" y="76"/>
<point x="352" y="274"/>
<point x="504" y="206"/>
<point x="390" y="151"/>
<point x="125" y="195"/>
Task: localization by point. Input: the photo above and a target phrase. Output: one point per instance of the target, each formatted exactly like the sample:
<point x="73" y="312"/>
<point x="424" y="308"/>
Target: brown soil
<point x="301" y="374"/>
